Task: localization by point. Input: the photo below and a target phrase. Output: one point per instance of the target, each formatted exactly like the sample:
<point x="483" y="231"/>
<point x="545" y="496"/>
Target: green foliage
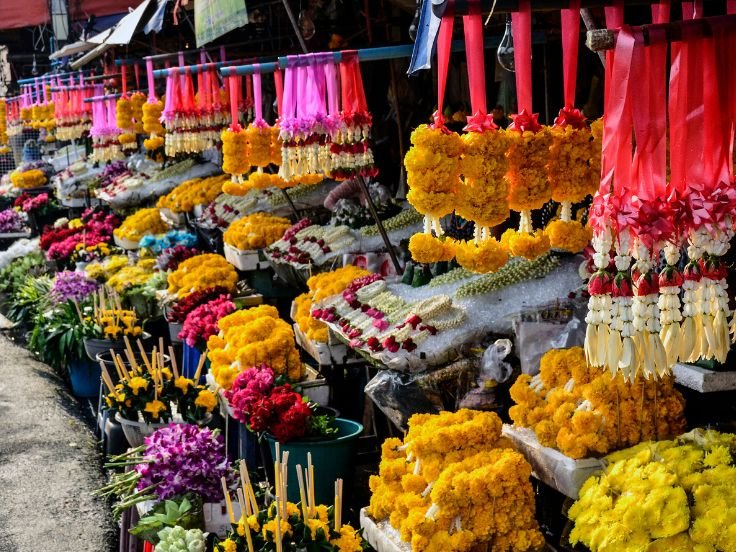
<point x="30" y="299"/>
<point x="13" y="275"/>
<point x="184" y="511"/>
<point x="58" y="336"/>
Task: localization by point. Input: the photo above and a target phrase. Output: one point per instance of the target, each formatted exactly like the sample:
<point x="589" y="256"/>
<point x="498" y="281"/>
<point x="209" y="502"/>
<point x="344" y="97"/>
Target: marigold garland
<point x="482" y="257"/>
<point x="527" y="157"/>
<point x="483" y="196"/>
<point x="455" y="484"/>
<point x="582" y="412"/>
<point x="33" y="178"/>
<point x="202" y="272"/>
<point x="255" y="231"/>
<point x="250" y="338"/>
<point x="526" y="244"/>
<point x="568" y="235"/>
<point x="140" y="223"/>
<point x="235" y="155"/>
<point x="570" y="169"/>
<point x="425" y="248"/>
<point x="152" y="125"/>
<point x="193" y="192"/>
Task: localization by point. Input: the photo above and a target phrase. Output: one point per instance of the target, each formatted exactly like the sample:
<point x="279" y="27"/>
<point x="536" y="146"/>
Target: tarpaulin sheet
<point x="23" y="13"/>
<point x="81" y="9"/>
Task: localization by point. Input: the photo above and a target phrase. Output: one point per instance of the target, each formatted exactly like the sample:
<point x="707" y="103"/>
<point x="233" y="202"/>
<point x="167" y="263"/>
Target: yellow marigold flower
<point x="137" y="383"/>
<point x="269" y="530"/>
<point x="228" y="545"/>
<point x="568" y="235"/>
<point x="206" y="399"/>
<point x="487" y="256"/>
<point x="348" y="541"/>
<point x="155" y="408"/>
<point x="184" y="384"/>
<point x="315" y="525"/>
<point x="425" y="248"/>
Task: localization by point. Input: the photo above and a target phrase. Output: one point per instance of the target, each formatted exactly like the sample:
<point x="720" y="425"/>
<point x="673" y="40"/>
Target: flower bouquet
<point x="303" y="524"/>
<point x="201" y="323"/>
<point x="175" y="460"/>
<point x="202" y="272"/>
<point x="12" y="221"/>
<point x="149" y="393"/>
<point x="39" y="209"/>
<point x="72" y="286"/>
<point x="138" y="225"/>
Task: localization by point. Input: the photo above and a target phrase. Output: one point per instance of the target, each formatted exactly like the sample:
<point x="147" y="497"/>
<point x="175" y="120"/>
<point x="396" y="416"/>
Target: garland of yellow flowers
<point x="193" y="192"/>
<point x="529" y="187"/>
<point x="140" y="223"/>
<point x="4" y="126"/>
<point x="255" y="231"/>
<point x="252" y="337"/>
<point x="455" y="484"/>
<point x="152" y="124"/>
<point x="433" y="168"/>
<point x="582" y="412"/>
<point x="202" y="272"/>
<point x="574" y="173"/>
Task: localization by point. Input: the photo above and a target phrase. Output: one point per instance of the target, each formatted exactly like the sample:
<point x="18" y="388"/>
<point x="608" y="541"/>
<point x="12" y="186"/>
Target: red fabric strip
<point x="522" y="33"/>
<point x="444" y="41"/>
<point x="473" y="28"/>
<point x="570" y="44"/>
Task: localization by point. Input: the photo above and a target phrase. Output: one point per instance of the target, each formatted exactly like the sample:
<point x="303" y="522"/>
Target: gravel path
<point x="49" y="463"/>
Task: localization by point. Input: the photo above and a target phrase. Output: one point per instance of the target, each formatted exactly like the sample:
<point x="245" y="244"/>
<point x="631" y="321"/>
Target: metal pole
<point x="291" y="204"/>
<point x="295" y="25"/>
<point x="401" y="188"/>
<point x="372" y="208"/>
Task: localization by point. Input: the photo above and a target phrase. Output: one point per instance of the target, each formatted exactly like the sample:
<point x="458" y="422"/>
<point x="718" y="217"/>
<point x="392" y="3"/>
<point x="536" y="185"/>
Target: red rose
<point x="670" y="277"/>
<point x="600" y="283"/>
<point x="647" y="284"/>
<point x="622" y="286"/>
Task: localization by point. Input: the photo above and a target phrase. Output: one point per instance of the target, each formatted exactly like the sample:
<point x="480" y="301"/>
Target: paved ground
<point x="48" y="463"/>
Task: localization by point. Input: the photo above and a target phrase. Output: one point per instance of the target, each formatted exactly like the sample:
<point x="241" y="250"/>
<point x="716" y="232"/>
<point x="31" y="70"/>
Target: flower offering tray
<point x="326" y="354"/>
<point x="549" y="465"/>
<point x="171" y="218"/>
<point x="703" y="380"/>
<point x="216" y="517"/>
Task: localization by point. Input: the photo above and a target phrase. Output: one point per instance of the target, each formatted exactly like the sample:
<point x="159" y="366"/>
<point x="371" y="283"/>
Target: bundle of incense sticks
<point x="249" y="506"/>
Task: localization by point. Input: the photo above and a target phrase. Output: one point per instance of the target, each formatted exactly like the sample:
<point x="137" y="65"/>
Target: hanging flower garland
<point x="152" y="111"/>
<point x="235" y="152"/>
<point x="105" y="131"/>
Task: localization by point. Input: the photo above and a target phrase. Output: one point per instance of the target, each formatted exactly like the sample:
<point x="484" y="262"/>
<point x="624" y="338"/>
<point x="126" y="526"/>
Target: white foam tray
<point x="704" y="380"/>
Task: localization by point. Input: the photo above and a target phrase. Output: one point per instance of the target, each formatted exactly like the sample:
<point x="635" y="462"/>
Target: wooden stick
<point x="143" y="355"/>
<point x="337" y="507"/>
<point x="285" y="477"/>
<point x="279" y="538"/>
<point x="302" y="492"/>
<point x="228" y="502"/>
<point x="174" y="365"/>
<point x="161" y="351"/>
<point x="115" y="363"/>
<point x="311" y="484"/>
<point x="129" y="349"/>
<point x="131" y="360"/>
<point x="243" y="508"/>
<point x="200" y="365"/>
<point x="118" y="361"/>
<point x="248" y="487"/>
<point x="106" y="378"/>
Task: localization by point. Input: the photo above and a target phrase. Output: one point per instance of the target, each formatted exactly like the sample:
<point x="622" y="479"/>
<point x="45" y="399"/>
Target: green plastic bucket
<point x="332" y="459"/>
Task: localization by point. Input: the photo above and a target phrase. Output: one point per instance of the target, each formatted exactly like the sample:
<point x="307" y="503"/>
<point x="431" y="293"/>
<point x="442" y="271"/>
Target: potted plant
<point x="271" y="408"/>
<point x="148" y="396"/>
<point x="108" y="324"/>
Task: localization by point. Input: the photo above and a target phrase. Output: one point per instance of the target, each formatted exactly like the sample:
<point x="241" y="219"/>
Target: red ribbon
<point x="351" y="84"/>
<point x="570" y="43"/>
<point x="234" y="83"/>
<point x="661" y="12"/>
<point x="444" y="42"/>
<point x="124" y="77"/>
<point x="522" y="33"/>
<point x="278" y="79"/>
<point x="473" y="28"/>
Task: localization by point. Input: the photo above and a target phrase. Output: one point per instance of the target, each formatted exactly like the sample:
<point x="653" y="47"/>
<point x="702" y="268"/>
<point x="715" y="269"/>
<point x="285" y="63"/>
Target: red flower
<point x="622" y="285"/>
<point x="670" y="277"/>
<point x="600" y="283"/>
<point x="648" y="284"/>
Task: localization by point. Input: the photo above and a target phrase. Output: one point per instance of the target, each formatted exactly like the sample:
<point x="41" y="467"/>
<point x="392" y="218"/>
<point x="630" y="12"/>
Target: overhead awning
<point x="71" y="49"/>
<point x="119" y="35"/>
<point x="28" y="13"/>
<point x="82" y="9"/>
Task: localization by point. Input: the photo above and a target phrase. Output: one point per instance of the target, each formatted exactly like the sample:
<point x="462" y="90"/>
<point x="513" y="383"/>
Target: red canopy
<point x="23" y="13"/>
<point x="81" y="9"/>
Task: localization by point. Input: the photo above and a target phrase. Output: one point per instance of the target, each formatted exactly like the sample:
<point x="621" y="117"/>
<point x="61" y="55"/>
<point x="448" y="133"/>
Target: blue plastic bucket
<point x="85" y="378"/>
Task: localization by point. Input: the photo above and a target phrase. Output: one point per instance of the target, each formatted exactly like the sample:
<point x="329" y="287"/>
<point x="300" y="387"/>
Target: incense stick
<point x="228" y="502"/>
<point x="174" y="365"/>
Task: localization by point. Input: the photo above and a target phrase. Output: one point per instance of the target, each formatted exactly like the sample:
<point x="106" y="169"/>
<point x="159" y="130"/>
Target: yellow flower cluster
<point x="662" y="496"/>
<point x="488" y="255"/>
<point x="104" y="269"/>
<point x="153" y="143"/>
<point x="527" y="157"/>
<point x="3" y="122"/>
<point x="425" y="248"/>
<point x="235" y="154"/>
<point x="582" y="412"/>
<point x="483" y="196"/>
<point x="188" y="194"/>
<point x="255" y="231"/>
<point x="124" y="114"/>
<point x="257" y="180"/>
<point x="116" y="323"/>
<point x="141" y="223"/>
<point x="42" y="116"/>
<point x="455" y="484"/>
<point x="321" y="286"/>
<point x="201" y="272"/>
<point x="596" y="129"/>
<point x="260" y="142"/>
<point x="433" y="166"/>
<point x="253" y="337"/>
<point x="131" y="276"/>
<point x="571" y="174"/>
<point x="152" y="118"/>
<point x="525" y="244"/>
<point x="137" y="100"/>
<point x="33" y="178"/>
<point x="568" y="235"/>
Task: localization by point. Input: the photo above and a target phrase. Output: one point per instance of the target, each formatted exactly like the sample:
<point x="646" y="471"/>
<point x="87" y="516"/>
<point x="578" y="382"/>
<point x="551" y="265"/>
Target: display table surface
<point x="704" y="380"/>
<point x="549" y="465"/>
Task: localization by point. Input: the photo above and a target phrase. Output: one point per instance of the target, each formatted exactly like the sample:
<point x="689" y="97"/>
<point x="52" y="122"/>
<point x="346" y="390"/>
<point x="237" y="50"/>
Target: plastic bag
<point x="558" y="325"/>
<point x="493" y="370"/>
